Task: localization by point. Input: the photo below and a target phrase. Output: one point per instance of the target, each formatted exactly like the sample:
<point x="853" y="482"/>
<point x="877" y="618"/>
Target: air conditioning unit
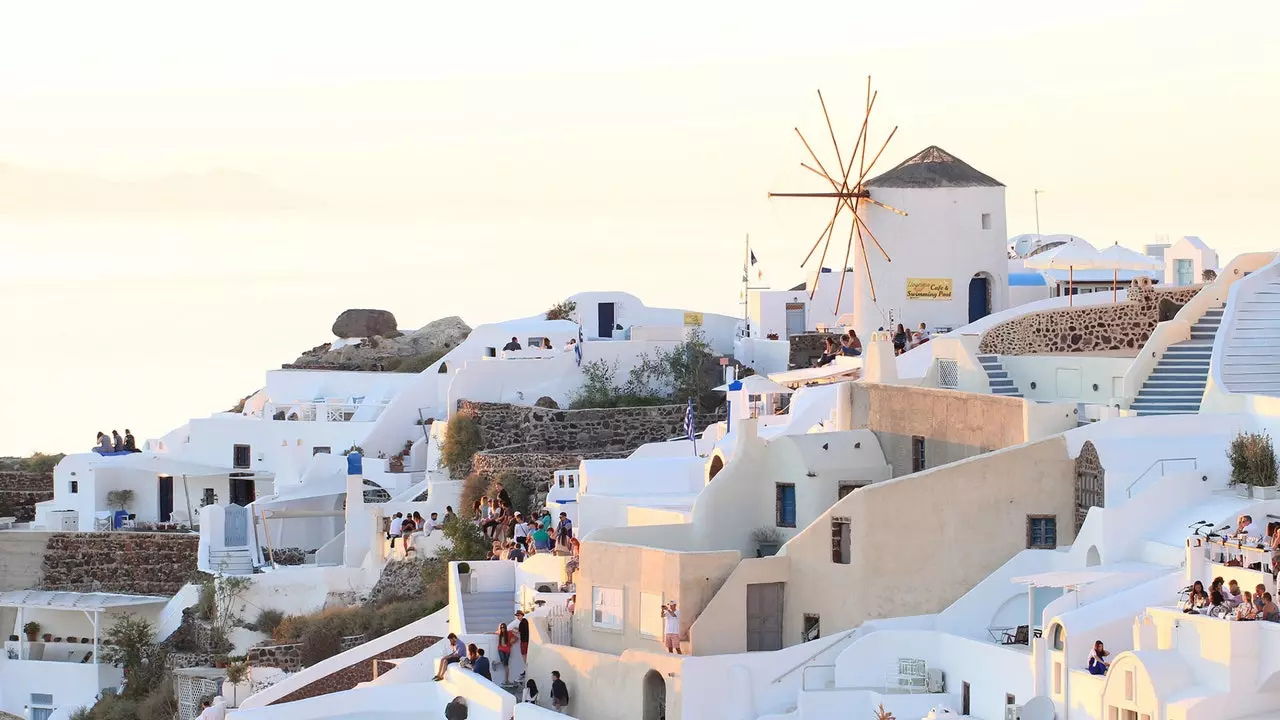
<point x="935" y="681"/>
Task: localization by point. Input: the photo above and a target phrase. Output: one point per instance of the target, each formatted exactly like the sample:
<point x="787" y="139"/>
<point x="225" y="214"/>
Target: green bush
<point x="268" y="621"/>
<point x="668" y="377"/>
<point x="562" y="310"/>
<point x="41" y="462"/>
<point x="160" y="704"/>
<point x="131" y="645"/>
<point x="1253" y="460"/>
<point x="320" y="642"/>
<point x="461" y="442"/>
<point x="418" y="363"/>
<point x="472" y="488"/>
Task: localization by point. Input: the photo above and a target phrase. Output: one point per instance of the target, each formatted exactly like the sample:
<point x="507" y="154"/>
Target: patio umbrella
<point x="1070" y="256"/>
<point x="1122" y="258"/>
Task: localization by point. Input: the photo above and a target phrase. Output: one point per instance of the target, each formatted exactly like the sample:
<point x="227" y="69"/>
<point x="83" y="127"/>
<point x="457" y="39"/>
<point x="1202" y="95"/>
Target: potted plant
<point x="464" y="577"/>
<point x="1253" y="465"/>
<point x="47" y="637"/>
<point x="32" y="630"/>
<point x="237" y="673"/>
<point x="771" y="336"/>
<point x="768" y="540"/>
<point x="396" y="464"/>
<point x="220" y="661"/>
<point x="13" y="638"/>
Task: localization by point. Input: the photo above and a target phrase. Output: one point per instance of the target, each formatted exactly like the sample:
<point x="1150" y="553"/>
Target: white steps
<point x="235" y="561"/>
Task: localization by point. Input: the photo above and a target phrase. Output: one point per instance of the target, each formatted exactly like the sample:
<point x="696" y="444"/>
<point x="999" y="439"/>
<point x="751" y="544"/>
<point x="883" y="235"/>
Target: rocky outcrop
<point x="365" y="323"/>
<point x="120" y="562"/>
<point x="398" y="581"/>
<point x="411" y="352"/>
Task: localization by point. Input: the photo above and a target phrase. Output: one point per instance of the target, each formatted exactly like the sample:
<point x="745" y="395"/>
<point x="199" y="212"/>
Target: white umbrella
<point x="1122" y="258"/>
<point x="1068" y="256"/>
<point x="758" y="385"/>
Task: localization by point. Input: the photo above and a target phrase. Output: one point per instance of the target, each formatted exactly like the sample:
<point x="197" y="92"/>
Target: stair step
<point x="997" y="374"/>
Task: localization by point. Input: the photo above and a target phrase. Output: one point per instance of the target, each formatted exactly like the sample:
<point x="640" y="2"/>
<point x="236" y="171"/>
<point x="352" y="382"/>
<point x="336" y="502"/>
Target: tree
<point x="131" y="646"/>
<point x="562" y="310"/>
<point x="41" y="462"/>
<point x="1209" y="275"/>
<point x="120" y="498"/>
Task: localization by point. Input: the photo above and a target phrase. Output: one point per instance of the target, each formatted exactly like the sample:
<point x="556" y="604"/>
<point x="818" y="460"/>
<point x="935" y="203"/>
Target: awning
<point x="52" y="600"/>
<point x="169" y="465"/>
<point x="1084" y="576"/>
<point x="835" y="372"/>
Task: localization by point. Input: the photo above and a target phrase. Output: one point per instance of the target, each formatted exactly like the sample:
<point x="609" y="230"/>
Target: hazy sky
<point x="485" y="160"/>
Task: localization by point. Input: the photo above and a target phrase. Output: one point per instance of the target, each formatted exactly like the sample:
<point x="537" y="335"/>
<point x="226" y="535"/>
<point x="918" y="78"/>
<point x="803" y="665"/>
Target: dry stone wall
<point x="288" y="656"/>
<point x="358" y="672"/>
<point x="807" y="348"/>
<point x="120" y="562"/>
<point x="1123" y="326"/>
<point x="20" y="491"/>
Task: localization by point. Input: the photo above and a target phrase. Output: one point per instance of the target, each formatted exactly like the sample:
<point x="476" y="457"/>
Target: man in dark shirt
<point x="523" y="627"/>
<point x="559" y="692"/>
<point x="481" y="665"/>
<point x="129" y="443"/>
<point x="513" y="345"/>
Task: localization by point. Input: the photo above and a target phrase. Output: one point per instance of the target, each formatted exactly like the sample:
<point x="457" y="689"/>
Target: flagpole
<point x="746" y="285"/>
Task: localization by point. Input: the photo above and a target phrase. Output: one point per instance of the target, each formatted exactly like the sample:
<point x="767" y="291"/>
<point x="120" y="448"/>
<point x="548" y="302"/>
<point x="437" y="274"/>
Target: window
<point x="840" y="550"/>
<point x="1057" y="636"/>
<point x="1010" y="700"/>
<point x="1128" y="715"/>
<point x="75" y="486"/>
<point x="1042" y="531"/>
<point x="845" y="489"/>
<point x="811" y="627"/>
<point x="917" y="454"/>
<point x="491" y="352"/>
<point x="986" y="221"/>
<point x="651" y="615"/>
<point x="321" y="449"/>
<point x="1128" y="685"/>
<point x="1184" y="269"/>
<point x="786" y="505"/>
<point x="240" y="456"/>
<point x="606" y="608"/>
<point x="41" y="706"/>
<point x="1057" y="678"/>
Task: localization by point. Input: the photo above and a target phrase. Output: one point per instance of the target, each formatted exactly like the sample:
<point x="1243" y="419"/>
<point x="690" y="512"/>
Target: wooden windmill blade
<point x="849" y="192"/>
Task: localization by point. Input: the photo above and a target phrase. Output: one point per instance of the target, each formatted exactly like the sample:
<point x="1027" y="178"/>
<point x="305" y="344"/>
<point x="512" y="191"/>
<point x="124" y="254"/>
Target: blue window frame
<point x="786" y="505"/>
<point x="1042" y="531"/>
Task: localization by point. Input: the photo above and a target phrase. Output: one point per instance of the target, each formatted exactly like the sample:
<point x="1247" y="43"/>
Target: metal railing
<point x="841" y="638"/>
<point x="1160" y="463"/>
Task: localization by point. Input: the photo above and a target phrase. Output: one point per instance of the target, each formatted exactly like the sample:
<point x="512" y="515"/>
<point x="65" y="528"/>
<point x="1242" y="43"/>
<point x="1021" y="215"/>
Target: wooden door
<point x="764" y="616"/>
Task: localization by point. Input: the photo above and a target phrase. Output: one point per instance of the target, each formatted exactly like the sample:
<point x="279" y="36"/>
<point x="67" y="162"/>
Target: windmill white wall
<point x="955" y="229"/>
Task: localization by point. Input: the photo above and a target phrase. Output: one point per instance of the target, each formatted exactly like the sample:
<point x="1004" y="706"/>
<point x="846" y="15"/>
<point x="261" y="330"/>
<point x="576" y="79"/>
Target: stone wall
<point x="1123" y="326"/>
<point x="20" y="491"/>
<point x="358" y="672"/>
<point x="288" y="656"/>
<point x="120" y="562"/>
<point x="592" y="430"/>
<point x="807" y="348"/>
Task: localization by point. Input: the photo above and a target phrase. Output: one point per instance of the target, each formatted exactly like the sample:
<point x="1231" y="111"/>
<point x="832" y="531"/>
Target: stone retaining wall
<point x="120" y="562"/>
<point x="807" y="348"/>
<point x="592" y="430"/>
<point x="288" y="656"/>
<point x="358" y="672"/>
<point x="1123" y="326"/>
<point x="20" y="491"/>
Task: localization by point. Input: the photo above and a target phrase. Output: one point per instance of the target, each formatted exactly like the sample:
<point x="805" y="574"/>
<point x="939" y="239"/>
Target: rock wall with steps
<point x="120" y="562"/>
<point x="1107" y="327"/>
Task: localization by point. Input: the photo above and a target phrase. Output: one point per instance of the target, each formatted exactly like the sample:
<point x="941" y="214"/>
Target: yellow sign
<point x="693" y="319"/>
<point x="928" y="288"/>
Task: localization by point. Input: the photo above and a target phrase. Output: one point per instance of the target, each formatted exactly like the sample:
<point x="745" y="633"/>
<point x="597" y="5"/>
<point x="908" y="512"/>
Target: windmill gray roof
<point x="933" y="167"/>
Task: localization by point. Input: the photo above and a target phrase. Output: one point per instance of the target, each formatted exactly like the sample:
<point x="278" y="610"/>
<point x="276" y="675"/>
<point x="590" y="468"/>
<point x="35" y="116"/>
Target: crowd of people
<point x="517" y="537"/>
<point x="850" y="345"/>
<point x="472" y="658"/>
<point x="113" y="443"/>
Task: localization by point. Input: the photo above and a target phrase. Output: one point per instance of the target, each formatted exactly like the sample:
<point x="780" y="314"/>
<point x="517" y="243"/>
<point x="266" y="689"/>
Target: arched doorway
<point x="655" y="696"/>
<point x="979" y="296"/>
<point x="1090" y="482"/>
<point x="717" y="464"/>
<point x="1093" y="558"/>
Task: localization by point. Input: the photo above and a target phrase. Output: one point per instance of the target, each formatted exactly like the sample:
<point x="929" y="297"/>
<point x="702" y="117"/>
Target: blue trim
<point x="1027" y="280"/>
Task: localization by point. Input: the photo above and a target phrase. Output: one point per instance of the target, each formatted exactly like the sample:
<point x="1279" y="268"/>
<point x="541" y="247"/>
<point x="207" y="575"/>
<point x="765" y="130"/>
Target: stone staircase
<point x="1176" y="384"/>
<point x="1001" y="383"/>
<point x="481" y="612"/>
<point x="232" y="561"/>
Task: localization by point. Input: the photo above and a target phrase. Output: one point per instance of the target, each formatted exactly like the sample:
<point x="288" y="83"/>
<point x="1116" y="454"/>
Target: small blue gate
<point x="236" y="526"/>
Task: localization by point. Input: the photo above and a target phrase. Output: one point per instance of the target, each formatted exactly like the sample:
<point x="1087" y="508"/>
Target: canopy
<point x="757" y="385"/>
<point x="1084" y="576"/>
<point x="834" y="372"/>
<point x="49" y="600"/>
<point x="1117" y="257"/>
<point x="1072" y="255"/>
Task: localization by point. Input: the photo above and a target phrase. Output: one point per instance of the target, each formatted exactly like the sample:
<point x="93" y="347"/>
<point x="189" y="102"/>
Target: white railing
<point x="325" y="411"/>
<point x="1160" y="463"/>
<point x="1225" y="344"/>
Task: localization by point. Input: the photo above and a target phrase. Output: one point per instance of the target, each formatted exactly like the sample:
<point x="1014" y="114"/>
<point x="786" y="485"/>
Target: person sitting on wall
<point x="1270" y="612"/>
<point x="900" y="339"/>
<point x="130" y="445"/>
<point x="397" y="522"/>
<point x="407" y="528"/>
<point x="546" y="344"/>
<point x="453" y="655"/>
<point x="104" y="444"/>
<point x="449" y="514"/>
<point x="117" y="443"/>
<point x="515" y="551"/>
<point x="1232" y="597"/>
<point x="1197" y="599"/>
<point x="1248" y="609"/>
<point x="854" y="348"/>
<point x="923" y="333"/>
<point x="513" y="345"/>
<point x="1097" y="659"/>
<point x="569" y="346"/>
<point x="1218" y="608"/>
<point x="828" y="353"/>
<point x="456" y="709"/>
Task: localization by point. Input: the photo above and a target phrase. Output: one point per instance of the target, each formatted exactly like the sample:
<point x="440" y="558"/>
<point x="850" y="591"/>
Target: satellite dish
<point x="1038" y="708"/>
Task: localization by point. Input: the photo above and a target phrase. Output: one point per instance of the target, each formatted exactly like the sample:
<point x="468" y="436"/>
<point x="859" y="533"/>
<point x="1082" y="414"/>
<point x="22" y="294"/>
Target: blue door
<point x="606" y="320"/>
<point x="236" y="526"/>
<point x="978" y="307"/>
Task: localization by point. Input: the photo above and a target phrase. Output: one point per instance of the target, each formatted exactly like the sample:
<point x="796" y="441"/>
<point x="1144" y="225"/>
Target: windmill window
<point x="986" y="221"/>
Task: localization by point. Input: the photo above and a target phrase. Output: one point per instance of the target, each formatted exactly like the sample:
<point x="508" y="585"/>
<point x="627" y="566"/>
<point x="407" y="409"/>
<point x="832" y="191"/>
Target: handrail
<point x="1160" y="462"/>
<point x="804" y="662"/>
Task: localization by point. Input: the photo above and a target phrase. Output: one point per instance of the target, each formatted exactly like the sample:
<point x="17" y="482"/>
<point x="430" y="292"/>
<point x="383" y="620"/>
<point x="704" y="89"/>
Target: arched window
<point x="1057" y="636"/>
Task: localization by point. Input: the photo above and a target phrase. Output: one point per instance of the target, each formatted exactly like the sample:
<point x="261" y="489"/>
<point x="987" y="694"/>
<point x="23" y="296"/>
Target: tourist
<point x="923" y="333"/>
<point x="433" y="524"/>
<point x="1269" y="610"/>
<point x="515" y="551"/>
<point x="456" y="709"/>
<point x="397" y="523"/>
<point x="855" y="345"/>
<point x="572" y="565"/>
<point x="506" y="638"/>
<point x="572" y="603"/>
<point x="521" y="531"/>
<point x="546" y="344"/>
<point x="1098" y="664"/>
<point x="206" y="711"/>
<point x="671" y="628"/>
<point x="1248" y="609"/>
<point x="1244" y="528"/>
<point x="559" y="693"/>
<point x="1197" y="598"/>
<point x="130" y="445"/>
<point x="1233" y="596"/>
<point x="407" y="528"/>
<point x="541" y="539"/>
<point x="1275" y="552"/>
<point x="469" y="662"/>
<point x="453" y="655"/>
<point x="449" y="514"/>
<point x="1258" y="592"/>
<point x="564" y="532"/>
<point x="104" y="444"/>
<point x="522" y="629"/>
<point x="117" y="442"/>
<point x="530" y="693"/>
<point x="481" y="665"/>
<point x="571" y="345"/>
<point x="828" y="353"/>
<point x="900" y="338"/>
<point x="513" y="345"/>
<point x="1218" y="608"/>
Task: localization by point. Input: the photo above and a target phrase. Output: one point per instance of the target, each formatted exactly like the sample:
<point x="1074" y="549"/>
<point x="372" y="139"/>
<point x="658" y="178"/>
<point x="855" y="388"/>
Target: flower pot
<point x="13" y="638"/>
<point x="47" y="637"/>
<point x="1265" y="493"/>
<point x="768" y="549"/>
<point x="31" y="637"/>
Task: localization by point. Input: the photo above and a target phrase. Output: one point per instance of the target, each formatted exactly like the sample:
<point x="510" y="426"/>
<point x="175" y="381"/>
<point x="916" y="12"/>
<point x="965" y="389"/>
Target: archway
<point x="1093" y="558"/>
<point x="979" y="296"/>
<point x="655" y="696"/>
<point x="717" y="464"/>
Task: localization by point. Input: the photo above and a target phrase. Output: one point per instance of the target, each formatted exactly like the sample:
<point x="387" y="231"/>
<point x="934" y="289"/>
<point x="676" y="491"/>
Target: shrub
<point x="268" y="621"/>
<point x="290" y="628"/>
<point x="160" y="704"/>
<point x="320" y="642"/>
<point x="670" y="376"/>
<point x="41" y="462"/>
<point x="461" y="442"/>
<point x="132" y="647"/>
<point x="472" y="488"/>
<point x="418" y="363"/>
<point x="519" y="493"/>
<point x="1253" y="460"/>
<point x="562" y="310"/>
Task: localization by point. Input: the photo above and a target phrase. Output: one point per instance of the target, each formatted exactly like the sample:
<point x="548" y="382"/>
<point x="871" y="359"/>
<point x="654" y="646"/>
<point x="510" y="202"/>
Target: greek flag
<point x="577" y="348"/>
<point x="688" y="423"/>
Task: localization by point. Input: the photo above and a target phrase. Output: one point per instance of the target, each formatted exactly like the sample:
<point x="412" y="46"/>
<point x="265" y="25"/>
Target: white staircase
<point x="481" y="612"/>
<point x="231" y="561"/>
<point x="1250" y="351"/>
<point x="1177" y="382"/>
<point x="1001" y="383"/>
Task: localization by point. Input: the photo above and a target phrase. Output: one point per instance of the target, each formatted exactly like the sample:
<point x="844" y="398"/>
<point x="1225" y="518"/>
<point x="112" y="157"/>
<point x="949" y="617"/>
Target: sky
<point x="487" y="160"/>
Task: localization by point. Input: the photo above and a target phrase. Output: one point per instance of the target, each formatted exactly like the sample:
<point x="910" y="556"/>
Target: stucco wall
<point x="604" y="686"/>
<point x="923" y="540"/>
